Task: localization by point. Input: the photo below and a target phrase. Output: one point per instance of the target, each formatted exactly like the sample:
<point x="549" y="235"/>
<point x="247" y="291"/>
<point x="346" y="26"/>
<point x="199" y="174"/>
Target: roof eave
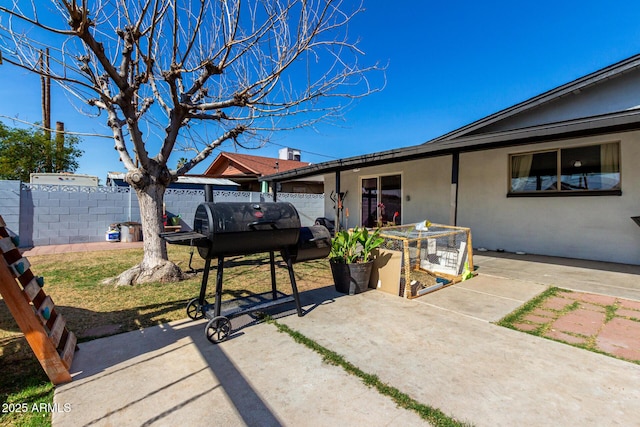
<point x="558" y="92"/>
<point x="623" y="121"/>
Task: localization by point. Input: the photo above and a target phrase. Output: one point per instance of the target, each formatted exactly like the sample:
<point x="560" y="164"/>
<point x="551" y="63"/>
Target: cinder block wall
<point x="53" y="215"/>
<point x="183" y="203"/>
<point x="10" y="205"/>
<point x="62" y="217"/>
<point x="309" y="206"/>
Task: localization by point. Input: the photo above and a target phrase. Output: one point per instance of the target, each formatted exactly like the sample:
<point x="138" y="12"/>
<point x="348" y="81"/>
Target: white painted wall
<point x="586" y="227"/>
<point x="589" y="227"/>
<point x="426" y="182"/>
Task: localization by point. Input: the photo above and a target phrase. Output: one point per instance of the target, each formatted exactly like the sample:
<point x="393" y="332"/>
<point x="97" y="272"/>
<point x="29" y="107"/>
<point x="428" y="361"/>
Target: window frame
<point x="559" y="192"/>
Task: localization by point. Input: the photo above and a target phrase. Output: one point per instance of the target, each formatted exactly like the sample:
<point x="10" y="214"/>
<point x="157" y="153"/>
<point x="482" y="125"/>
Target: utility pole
<point x="45" y="89"/>
<point x="59" y="158"/>
<point x="45" y="83"/>
<point x="55" y="152"/>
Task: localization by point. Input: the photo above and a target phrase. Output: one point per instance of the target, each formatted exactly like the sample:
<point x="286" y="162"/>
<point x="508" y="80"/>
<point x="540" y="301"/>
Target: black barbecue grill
<point x="230" y="229"/>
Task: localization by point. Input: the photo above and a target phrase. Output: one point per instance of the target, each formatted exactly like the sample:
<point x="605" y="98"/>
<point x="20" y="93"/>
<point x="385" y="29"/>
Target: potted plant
<point x="350" y="259"/>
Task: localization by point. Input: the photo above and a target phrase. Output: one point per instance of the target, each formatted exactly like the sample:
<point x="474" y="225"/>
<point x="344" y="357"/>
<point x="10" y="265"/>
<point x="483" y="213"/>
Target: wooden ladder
<point x="43" y="327"/>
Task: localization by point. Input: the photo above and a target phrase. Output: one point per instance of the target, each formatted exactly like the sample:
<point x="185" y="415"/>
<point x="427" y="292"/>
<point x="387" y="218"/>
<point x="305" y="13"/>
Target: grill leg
<point x="205" y="279"/>
<point x="274" y="291"/>
<point x="191" y="269"/>
<point x="218" y="304"/>
<point x="294" y="286"/>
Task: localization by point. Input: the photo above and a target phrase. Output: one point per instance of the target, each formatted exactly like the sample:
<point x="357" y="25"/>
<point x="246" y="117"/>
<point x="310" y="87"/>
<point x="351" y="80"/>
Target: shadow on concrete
<point x="566" y="262"/>
<point x="103" y="362"/>
<point x="159" y="348"/>
<point x="246" y="401"/>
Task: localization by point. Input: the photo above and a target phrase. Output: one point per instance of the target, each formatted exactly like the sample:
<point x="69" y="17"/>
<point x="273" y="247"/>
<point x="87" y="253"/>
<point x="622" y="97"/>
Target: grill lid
<point x="233" y="217"/>
<point x="243" y="228"/>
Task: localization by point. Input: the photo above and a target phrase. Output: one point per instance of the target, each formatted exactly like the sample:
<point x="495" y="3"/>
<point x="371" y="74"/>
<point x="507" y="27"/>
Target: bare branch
<point x="34" y="22"/>
<point x="191" y="71"/>
<point x="203" y="154"/>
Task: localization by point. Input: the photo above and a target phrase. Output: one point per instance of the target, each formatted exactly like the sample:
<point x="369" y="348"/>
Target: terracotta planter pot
<point x="351" y="278"/>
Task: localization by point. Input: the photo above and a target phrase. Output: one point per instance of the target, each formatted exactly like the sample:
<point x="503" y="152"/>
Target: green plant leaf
<point x="355" y="246"/>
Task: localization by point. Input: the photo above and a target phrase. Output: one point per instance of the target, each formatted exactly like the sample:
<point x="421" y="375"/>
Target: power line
<point x="97" y="135"/>
<point x="15" y="119"/>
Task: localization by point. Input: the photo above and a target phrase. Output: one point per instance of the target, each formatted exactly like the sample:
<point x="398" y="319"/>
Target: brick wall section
<point x="53" y="215"/>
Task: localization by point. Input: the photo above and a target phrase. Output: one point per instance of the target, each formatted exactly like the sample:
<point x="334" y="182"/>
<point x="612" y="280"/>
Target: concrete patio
<point x="440" y="349"/>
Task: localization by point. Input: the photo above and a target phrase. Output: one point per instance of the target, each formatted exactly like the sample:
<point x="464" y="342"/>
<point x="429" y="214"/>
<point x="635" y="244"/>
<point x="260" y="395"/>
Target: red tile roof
<point x="234" y="164"/>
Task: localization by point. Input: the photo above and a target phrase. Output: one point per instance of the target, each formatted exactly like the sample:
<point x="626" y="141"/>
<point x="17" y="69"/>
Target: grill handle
<point x="320" y="239"/>
<point x="254" y="225"/>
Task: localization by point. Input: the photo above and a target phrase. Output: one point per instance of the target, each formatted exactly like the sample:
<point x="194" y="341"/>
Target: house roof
<point x="471" y="138"/>
<point x="573" y="87"/>
<point x="234" y="165"/>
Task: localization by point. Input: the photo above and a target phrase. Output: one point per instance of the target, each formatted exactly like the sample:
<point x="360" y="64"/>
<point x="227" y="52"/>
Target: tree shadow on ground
<point x="136" y="353"/>
<point x="89" y="325"/>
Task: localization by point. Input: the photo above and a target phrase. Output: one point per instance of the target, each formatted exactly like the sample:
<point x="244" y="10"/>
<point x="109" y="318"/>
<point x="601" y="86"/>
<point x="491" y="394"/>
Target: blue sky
<point x="449" y="64"/>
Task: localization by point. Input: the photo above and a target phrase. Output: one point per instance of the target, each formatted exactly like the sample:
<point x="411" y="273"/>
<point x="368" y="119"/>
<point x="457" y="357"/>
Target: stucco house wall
<point x="587" y="227"/>
<point x="425" y="183"/>
<point x="599" y="108"/>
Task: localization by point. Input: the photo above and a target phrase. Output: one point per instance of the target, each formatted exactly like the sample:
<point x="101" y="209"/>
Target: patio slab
<point x="472" y="369"/>
<point x="619" y="280"/>
<point x="461" y="364"/>
<point x="485" y="297"/>
<point x="171" y="375"/>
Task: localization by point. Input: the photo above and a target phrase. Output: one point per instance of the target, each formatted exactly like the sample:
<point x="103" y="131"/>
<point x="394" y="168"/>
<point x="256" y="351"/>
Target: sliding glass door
<point x="381" y="202"/>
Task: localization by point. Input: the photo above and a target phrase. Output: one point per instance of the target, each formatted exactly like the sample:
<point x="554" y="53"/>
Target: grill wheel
<point x="218" y="329"/>
<point x="194" y="309"/>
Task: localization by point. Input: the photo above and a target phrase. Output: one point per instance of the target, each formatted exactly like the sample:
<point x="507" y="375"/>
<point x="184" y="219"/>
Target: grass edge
<point x="526" y="308"/>
<point x="432" y="415"/>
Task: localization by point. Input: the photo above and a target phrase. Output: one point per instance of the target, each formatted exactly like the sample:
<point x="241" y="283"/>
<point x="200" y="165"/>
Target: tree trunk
<point x="151" y="199"/>
<point x="155" y="266"/>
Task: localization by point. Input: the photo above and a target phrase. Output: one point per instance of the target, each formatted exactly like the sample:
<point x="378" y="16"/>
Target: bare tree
<point x="190" y="75"/>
